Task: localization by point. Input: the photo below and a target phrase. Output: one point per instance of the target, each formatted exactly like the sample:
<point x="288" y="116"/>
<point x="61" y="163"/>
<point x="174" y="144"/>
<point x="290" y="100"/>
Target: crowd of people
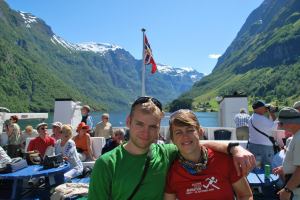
<point x="186" y="169"/>
<point x="260" y="128"/>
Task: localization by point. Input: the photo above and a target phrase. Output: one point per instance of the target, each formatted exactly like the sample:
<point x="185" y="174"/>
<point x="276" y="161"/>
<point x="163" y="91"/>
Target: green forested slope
<point x="35" y="69"/>
<point x="263" y="61"/>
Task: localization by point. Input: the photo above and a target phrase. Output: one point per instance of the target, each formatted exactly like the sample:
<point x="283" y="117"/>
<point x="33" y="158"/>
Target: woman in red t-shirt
<point x="200" y="172"/>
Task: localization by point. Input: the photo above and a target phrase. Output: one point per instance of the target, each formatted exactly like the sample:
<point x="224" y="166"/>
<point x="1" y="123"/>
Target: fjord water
<point x="208" y="119"/>
<point x="118" y="119"/>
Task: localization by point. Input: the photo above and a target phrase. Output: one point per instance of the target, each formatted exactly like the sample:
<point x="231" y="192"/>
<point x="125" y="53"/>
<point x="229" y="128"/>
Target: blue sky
<point x="182" y="33"/>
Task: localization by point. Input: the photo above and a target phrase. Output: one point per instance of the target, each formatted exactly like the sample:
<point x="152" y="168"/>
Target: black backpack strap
<point x="269" y="137"/>
<point x="147" y="163"/>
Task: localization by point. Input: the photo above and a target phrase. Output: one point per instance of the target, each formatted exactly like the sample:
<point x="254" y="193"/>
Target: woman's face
<point x="65" y="137"/>
<point x="186" y="138"/>
<point x="84" y="111"/>
<point x="83" y="131"/>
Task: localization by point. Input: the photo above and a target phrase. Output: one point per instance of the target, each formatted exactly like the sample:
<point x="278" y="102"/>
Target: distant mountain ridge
<point x="37" y="66"/>
<point x="263" y="61"/>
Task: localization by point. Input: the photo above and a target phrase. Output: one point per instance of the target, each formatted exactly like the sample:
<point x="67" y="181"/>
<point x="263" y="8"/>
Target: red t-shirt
<point x="215" y="182"/>
<point x="41" y="144"/>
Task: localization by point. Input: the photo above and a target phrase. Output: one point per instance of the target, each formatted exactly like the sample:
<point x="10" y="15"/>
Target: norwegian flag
<point x="148" y="56"/>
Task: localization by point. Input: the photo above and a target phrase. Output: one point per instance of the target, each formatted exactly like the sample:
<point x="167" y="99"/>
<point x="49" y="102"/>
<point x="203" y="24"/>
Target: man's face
<point x="43" y="131"/>
<point x="56" y="130"/>
<point x="84" y="111"/>
<point x="261" y="110"/>
<point x="119" y="138"/>
<point x="186" y="138"/>
<point x="104" y="119"/>
<point x="292" y="128"/>
<point x="144" y="128"/>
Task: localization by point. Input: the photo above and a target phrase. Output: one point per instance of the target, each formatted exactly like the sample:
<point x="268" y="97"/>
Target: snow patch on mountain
<point x="97" y="47"/>
<point x="28" y="18"/>
<point x="184" y="71"/>
<point x="100" y="48"/>
<point x="58" y="40"/>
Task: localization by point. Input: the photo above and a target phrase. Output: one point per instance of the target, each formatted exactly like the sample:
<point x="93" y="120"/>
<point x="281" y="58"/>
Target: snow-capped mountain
<point x="184" y="71"/>
<point x="102" y="48"/>
<point x="105" y="76"/>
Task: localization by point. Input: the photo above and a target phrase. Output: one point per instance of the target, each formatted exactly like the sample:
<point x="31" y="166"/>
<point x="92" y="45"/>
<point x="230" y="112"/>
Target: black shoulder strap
<point x="269" y="137"/>
<point x="143" y="175"/>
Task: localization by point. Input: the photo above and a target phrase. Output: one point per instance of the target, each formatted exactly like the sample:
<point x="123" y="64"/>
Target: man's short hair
<point x="148" y="104"/>
<point x="119" y="131"/>
<point x="243" y="110"/>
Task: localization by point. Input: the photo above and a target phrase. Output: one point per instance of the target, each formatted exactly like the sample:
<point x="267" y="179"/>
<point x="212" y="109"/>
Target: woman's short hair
<point x="183" y="117"/>
<point x="29" y="128"/>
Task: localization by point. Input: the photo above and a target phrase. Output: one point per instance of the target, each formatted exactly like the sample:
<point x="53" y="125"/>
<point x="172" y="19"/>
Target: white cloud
<point x="214" y="56"/>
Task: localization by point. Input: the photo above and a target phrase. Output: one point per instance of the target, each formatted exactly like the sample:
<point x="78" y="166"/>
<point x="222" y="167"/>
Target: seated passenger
<point x="200" y="172"/>
<point x="116" y="140"/>
<point x="13" y="133"/>
<point x="29" y="132"/>
<point x="43" y="141"/>
<point x="4" y="158"/>
<point x="83" y="142"/>
<point x="56" y="130"/>
<point x="67" y="148"/>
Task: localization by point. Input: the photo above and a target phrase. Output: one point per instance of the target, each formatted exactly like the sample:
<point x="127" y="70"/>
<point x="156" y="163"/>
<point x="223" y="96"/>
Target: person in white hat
<point x="86" y="117"/>
<point x="56" y="130"/>
<point x="289" y="119"/>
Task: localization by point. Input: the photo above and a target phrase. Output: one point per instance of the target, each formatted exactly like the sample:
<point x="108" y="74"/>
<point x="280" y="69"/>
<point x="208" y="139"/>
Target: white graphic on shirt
<point x="209" y="185"/>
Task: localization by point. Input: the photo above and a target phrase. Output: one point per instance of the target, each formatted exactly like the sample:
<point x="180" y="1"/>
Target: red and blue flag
<point x="148" y="56"/>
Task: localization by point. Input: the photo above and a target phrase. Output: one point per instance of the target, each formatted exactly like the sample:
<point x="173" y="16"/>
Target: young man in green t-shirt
<point x="117" y="173"/>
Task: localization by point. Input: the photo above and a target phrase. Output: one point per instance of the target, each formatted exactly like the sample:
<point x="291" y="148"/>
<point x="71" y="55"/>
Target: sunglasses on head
<point x="145" y="99"/>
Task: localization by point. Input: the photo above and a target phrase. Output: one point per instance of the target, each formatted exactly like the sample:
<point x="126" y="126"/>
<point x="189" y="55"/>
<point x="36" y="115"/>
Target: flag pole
<point x="143" y="64"/>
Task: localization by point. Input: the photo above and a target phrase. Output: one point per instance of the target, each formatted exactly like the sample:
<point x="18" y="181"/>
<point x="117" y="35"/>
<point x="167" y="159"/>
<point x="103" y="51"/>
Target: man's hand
<point x="278" y="171"/>
<point x="283" y="195"/>
<point x="243" y="160"/>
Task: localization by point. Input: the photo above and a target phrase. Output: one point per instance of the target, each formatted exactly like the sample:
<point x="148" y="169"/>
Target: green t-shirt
<point x="116" y="173"/>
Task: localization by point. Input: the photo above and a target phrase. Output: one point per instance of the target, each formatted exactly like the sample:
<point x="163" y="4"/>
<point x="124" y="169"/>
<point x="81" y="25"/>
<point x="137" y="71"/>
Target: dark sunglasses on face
<point x="44" y="128"/>
<point x="145" y="99"/>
